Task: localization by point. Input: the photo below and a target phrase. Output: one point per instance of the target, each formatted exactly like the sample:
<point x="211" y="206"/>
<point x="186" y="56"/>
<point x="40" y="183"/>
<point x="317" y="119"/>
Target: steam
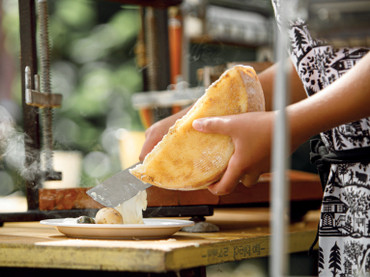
<point x="12" y="150"/>
<point x="97" y="164"/>
<point x="13" y="154"/>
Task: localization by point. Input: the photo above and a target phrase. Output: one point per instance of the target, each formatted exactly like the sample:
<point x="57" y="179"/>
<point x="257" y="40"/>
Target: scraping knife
<point x="117" y="189"/>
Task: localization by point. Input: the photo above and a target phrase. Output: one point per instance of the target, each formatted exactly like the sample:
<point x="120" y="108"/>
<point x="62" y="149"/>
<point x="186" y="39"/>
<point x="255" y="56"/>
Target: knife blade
<point x="117" y="189"/>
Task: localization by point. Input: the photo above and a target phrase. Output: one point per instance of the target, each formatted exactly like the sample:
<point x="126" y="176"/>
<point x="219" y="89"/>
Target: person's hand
<point x="155" y="133"/>
<point x="251" y="134"/>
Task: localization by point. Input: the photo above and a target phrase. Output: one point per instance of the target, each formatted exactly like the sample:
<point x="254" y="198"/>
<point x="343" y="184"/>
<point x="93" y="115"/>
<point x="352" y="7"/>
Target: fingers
<point x="232" y="177"/>
<point x="218" y="189"/>
<point x="219" y="125"/>
<point x="229" y="180"/>
<point x="152" y="137"/>
<point x="223" y="187"/>
<point x="155" y="133"/>
<point x="249" y="180"/>
<point x="147" y="147"/>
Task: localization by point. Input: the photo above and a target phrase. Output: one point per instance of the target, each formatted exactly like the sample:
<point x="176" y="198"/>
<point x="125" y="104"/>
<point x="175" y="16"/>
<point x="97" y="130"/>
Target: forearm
<point x="344" y="101"/>
<point x="267" y="78"/>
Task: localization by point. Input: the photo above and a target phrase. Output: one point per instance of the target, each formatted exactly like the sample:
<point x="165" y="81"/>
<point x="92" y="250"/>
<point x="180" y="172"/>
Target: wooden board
<point x="244" y="234"/>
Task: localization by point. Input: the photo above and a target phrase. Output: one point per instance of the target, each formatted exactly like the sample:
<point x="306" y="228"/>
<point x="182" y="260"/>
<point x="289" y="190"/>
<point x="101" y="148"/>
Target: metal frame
<point x="31" y="123"/>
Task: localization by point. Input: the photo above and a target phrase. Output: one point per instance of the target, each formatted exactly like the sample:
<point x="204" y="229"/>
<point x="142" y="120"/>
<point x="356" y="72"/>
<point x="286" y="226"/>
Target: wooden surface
<point x="244" y="234"/>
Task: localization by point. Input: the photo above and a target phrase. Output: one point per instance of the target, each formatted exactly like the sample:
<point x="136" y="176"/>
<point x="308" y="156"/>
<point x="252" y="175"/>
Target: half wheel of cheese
<point x="186" y="159"/>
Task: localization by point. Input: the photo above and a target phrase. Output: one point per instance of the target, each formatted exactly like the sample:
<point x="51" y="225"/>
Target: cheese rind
<point x="186" y="159"/>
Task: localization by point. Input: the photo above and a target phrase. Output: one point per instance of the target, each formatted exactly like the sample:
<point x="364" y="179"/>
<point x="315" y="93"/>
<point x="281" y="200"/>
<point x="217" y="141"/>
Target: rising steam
<point x="12" y="150"/>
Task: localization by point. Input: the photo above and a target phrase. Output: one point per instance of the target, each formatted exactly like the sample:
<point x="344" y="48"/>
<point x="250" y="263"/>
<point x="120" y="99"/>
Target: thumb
<point x="217" y="125"/>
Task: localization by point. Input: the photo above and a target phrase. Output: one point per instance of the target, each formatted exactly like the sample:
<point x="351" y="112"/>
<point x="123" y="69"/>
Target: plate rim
<point x="57" y="222"/>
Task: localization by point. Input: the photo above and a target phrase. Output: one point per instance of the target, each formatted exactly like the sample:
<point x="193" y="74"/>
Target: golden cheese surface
<point x="186" y="159"/>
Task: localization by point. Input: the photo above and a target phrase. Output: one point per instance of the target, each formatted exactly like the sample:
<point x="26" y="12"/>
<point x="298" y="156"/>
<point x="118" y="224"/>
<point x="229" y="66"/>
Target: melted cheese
<point x="132" y="209"/>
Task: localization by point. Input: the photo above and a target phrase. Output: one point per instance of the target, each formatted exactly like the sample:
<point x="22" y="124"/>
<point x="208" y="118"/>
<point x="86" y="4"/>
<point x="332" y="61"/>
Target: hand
<point x="251" y="134"/>
<point x="155" y="133"/>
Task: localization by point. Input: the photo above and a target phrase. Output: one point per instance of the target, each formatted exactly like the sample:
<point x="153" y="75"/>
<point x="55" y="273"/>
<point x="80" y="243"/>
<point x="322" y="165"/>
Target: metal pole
<point x="47" y="115"/>
<point x="31" y="124"/>
<point x="279" y="185"/>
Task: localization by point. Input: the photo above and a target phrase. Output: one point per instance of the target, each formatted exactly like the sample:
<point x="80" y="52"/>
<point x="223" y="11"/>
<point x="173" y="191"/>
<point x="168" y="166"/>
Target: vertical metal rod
<point x="156" y="29"/>
<point x="31" y="126"/>
<point x="279" y="185"/>
<point x="46" y="84"/>
<point x="156" y="41"/>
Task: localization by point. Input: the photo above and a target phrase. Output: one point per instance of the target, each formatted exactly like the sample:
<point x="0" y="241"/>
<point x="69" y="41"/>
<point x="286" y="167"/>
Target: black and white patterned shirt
<point x="344" y="231"/>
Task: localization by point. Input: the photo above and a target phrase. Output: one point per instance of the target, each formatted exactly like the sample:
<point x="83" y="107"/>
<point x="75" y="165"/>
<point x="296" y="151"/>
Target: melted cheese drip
<point x="132" y="209"/>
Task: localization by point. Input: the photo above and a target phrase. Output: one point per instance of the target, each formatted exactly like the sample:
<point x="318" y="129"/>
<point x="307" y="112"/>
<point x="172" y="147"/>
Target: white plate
<point x="151" y="229"/>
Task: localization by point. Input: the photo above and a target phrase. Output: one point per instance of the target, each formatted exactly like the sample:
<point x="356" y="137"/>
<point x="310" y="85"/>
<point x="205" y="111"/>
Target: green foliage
<point x="100" y="59"/>
<point x="93" y="66"/>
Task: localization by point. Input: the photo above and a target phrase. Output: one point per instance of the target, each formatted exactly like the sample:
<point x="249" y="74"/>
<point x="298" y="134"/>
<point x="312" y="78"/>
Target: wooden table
<point x="244" y="234"/>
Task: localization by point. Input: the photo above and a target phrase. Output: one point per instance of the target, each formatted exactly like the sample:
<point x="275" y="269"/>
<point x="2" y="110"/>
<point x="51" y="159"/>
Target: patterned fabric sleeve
<point x="344" y="229"/>
<point x="319" y="65"/>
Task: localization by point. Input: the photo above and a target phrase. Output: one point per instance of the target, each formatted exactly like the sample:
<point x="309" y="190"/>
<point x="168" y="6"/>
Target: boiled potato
<point x="108" y="216"/>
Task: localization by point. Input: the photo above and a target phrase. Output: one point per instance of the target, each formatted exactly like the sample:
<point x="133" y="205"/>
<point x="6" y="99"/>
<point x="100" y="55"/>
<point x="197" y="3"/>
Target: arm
<point x="344" y="101"/>
<point x="156" y="132"/>
<point x="267" y="78"/>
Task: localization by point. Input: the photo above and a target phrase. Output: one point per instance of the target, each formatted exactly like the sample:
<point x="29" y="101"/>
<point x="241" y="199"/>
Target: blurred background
<point x="101" y="66"/>
<point x="97" y="64"/>
<point x="93" y="66"/>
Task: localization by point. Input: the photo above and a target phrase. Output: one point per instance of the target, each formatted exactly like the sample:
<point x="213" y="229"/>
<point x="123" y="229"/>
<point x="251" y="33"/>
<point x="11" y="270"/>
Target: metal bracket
<point x="39" y="99"/>
<point x="33" y="97"/>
